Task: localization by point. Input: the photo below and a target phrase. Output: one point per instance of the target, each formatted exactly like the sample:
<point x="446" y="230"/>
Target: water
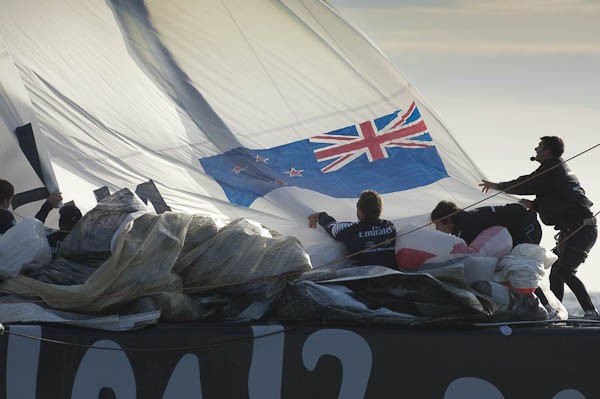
<point x="572" y="305"/>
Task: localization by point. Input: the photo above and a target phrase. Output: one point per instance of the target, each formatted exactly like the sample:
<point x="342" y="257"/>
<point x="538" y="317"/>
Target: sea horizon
<point x="573" y="306"/>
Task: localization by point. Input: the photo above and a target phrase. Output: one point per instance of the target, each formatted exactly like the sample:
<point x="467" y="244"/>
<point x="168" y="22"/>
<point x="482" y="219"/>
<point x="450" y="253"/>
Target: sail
<point x="269" y="110"/>
<point x="29" y="170"/>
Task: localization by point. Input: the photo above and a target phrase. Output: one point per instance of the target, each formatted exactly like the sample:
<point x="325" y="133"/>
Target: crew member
<point x="561" y="202"/>
<point x="370" y="240"/>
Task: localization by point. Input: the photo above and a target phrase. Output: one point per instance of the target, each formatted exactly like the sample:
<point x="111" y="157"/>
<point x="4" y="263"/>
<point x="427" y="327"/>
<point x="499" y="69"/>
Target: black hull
<point x="298" y="361"/>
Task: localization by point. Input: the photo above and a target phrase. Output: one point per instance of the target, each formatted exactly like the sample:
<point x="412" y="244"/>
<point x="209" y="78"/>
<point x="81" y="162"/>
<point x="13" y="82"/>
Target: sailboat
<point x="262" y="111"/>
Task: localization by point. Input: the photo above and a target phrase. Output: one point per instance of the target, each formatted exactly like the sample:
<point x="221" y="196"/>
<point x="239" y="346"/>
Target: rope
<point x="571" y="234"/>
<point x="506" y="190"/>
<point x="214" y="346"/>
<point x="194" y="289"/>
<point x="162" y="348"/>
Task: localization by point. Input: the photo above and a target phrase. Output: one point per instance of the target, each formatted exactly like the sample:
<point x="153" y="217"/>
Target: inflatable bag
<point x="413" y="248"/>
<point x="416" y="246"/>
<point x="494" y="241"/>
<point x="24" y="247"/>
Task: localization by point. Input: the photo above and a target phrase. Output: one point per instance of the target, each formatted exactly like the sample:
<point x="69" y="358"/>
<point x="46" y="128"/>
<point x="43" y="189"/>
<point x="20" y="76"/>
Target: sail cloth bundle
<point x="156" y="256"/>
<point x="415" y="246"/>
<point x="524" y="267"/>
<point x="191" y="268"/>
<point x="23" y="247"/>
<point x="376" y="294"/>
<point x="95" y="235"/>
<point x="521" y="267"/>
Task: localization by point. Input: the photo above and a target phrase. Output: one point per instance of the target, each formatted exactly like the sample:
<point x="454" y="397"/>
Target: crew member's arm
<point x="52" y="202"/>
<point x="313" y="219"/>
<point x="487" y="185"/>
<point x="321" y="218"/>
<point x="524" y="185"/>
<point x="529" y="184"/>
<point x="328" y="223"/>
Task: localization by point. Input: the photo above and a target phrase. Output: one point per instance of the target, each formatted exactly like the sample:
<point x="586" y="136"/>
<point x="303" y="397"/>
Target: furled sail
<point x="269" y="110"/>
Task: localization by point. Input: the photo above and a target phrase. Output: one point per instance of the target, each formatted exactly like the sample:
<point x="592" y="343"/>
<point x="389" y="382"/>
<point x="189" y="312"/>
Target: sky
<point x="502" y="74"/>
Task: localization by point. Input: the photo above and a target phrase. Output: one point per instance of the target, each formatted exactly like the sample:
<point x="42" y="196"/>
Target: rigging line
<point x="348" y="256"/>
<point x="207" y="347"/>
<point x="469" y="206"/>
<point x="533" y="176"/>
<point x="571" y="234"/>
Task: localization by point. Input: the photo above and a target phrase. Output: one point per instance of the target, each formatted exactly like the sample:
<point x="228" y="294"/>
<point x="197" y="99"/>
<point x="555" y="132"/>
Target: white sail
<point x="127" y="91"/>
<point x="32" y="178"/>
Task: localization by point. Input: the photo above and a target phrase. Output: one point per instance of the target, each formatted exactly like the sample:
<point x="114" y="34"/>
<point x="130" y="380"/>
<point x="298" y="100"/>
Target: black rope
<point x="466" y="207"/>
<point x="193" y="289"/>
<point x="571" y="234"/>
<point x="206" y="347"/>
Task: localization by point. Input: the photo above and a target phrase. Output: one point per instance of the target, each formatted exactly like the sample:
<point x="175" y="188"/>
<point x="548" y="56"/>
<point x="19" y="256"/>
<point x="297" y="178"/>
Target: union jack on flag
<point x="399" y="155"/>
<point x="403" y="131"/>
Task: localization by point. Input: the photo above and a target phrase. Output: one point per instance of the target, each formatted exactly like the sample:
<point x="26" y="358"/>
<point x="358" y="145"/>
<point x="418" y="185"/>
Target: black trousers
<point x="572" y="253"/>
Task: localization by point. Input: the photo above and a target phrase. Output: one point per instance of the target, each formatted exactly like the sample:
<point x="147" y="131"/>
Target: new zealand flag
<point x="388" y="154"/>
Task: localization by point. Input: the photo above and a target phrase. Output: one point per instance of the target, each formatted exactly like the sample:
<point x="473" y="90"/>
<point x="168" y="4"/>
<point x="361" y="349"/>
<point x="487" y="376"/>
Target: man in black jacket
<point x="364" y="238"/>
<point x="69" y="215"/>
<point x="7" y="220"/>
<point x="561" y="202"/>
<point x="521" y="223"/>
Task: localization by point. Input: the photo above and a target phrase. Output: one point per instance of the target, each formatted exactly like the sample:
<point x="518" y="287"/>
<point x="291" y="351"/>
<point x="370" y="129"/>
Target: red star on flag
<point x="294" y="172"/>
<point x="260" y="159"/>
<point x="237" y="170"/>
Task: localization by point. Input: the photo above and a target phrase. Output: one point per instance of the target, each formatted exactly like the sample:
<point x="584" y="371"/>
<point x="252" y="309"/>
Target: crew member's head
<point x="443" y="215"/>
<point x="69" y="216"/>
<point x="7" y="192"/>
<point x="369" y="206"/>
<point x="549" y="147"/>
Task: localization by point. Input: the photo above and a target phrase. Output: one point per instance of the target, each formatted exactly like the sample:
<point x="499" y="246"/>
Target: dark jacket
<point x="363" y="235"/>
<point x="7" y="220"/>
<point x="42" y="214"/>
<point x="521" y="223"/>
<point x="55" y="239"/>
<point x="560" y="201"/>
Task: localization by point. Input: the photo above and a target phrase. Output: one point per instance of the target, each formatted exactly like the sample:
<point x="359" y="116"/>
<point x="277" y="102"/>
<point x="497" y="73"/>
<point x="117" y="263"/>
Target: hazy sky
<point x="502" y="74"/>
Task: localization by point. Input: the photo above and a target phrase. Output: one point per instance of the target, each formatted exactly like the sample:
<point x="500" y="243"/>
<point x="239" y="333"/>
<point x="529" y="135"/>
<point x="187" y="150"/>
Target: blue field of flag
<point x="388" y="154"/>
